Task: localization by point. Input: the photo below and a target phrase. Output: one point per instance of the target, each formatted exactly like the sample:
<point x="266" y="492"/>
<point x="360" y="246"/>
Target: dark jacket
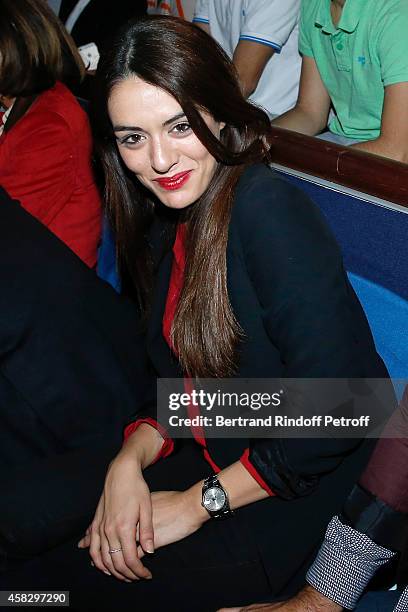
<point x="300" y="316"/>
<point x="73" y="368"/>
<point x="301" y="319"/>
<point x="72" y="365"/>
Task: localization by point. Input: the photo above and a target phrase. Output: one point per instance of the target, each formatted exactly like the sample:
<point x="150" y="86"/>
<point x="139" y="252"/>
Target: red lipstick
<point x="171" y="183"/>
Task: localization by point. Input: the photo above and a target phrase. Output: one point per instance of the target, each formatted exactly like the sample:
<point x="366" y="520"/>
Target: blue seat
<point x="374" y="244"/>
<point x="387" y="314"/>
<point x="106" y="267"/>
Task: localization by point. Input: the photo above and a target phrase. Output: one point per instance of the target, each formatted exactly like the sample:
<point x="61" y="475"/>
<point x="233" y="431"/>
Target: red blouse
<point x="173" y="295"/>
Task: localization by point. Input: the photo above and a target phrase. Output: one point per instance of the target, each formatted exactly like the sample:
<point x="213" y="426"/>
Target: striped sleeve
<point x="201" y="12"/>
<point x="269" y="22"/>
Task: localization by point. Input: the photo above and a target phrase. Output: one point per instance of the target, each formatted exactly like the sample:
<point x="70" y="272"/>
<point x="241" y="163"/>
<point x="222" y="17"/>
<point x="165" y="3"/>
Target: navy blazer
<point x="73" y="368"/>
<point x="301" y="319"/>
<point x="72" y="361"/>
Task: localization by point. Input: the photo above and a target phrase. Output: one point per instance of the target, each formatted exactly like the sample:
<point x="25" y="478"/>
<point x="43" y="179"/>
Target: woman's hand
<point x="123" y="510"/>
<point x="176" y="515"/>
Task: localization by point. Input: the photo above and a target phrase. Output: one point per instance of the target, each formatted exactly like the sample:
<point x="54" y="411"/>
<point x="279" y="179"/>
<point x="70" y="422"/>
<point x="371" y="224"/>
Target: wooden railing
<point x="377" y="176"/>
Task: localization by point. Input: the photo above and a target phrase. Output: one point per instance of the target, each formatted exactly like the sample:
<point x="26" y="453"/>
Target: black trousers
<point x="48" y="500"/>
<point x="262" y="553"/>
<point x="216" y="566"/>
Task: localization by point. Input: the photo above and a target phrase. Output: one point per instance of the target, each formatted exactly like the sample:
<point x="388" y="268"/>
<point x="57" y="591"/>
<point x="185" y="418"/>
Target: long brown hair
<point x="188" y="64"/>
<point x="35" y="49"/>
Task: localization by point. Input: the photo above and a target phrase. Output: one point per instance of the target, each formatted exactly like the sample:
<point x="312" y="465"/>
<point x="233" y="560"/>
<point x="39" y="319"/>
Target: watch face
<point x="214" y="499"/>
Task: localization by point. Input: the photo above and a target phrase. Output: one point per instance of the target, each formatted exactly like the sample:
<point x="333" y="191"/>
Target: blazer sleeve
<point x="310" y="314"/>
<point x="72" y="351"/>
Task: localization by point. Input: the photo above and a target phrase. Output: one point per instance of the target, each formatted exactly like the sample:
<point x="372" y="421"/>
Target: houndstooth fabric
<point x="345" y="564"/>
<point x="402" y="605"/>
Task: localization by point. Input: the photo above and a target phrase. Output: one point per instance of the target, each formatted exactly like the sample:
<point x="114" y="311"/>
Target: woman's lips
<point x="174" y="182"/>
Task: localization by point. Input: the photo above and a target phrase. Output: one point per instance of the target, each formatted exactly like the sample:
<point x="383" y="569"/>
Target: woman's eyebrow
<point x="175" y="118"/>
<point x="127" y="128"/>
<point x="133" y="128"/>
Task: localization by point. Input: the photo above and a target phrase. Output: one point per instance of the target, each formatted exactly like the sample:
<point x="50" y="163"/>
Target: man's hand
<point x="253" y="608"/>
<point x="308" y="600"/>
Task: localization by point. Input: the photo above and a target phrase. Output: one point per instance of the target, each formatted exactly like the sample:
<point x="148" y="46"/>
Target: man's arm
<point x="349" y="554"/>
<point x="308" y="600"/>
<point x="311" y="112"/>
<point x="250" y="59"/>
<point x="393" y="140"/>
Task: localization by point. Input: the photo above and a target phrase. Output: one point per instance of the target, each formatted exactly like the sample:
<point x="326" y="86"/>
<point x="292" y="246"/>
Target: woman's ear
<point x="222" y="125"/>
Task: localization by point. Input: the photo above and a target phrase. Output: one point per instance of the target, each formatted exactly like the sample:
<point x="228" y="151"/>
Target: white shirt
<point x="178" y="8"/>
<point x="75" y="14"/>
<point x="88" y="52"/>
<point x="267" y="22"/>
<point x="4" y="118"/>
<point x="55" y="5"/>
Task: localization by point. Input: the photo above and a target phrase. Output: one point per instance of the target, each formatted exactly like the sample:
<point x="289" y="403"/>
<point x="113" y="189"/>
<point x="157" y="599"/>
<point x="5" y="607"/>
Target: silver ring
<point x="112" y="551"/>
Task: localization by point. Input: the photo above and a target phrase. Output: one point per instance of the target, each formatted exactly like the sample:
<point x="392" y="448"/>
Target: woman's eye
<point x="131" y="139"/>
<point x="181" y="128"/>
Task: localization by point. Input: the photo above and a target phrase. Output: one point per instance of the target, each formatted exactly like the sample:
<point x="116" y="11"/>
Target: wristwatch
<point x="215" y="499"/>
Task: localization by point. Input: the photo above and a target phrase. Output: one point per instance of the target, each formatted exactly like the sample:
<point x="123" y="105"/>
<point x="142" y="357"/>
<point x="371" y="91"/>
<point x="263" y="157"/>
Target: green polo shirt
<point x="367" y="51"/>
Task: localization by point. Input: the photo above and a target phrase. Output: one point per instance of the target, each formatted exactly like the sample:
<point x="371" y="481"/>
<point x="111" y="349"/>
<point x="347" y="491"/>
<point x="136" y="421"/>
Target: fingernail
<point x="149" y="577"/>
<point x="93" y="564"/>
<point x="107" y="573"/>
<point x="150" y="546"/>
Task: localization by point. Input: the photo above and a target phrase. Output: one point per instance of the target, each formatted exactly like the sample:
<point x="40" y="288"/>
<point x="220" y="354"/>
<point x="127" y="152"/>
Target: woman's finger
<point x="95" y="550"/>
<point x="95" y="533"/>
<point x="140" y="552"/>
<point x="124" y="560"/>
<point x="121" y="567"/>
<point x="86" y="540"/>
<point x="146" y="534"/>
<point x="114" y="562"/>
<point x="131" y="556"/>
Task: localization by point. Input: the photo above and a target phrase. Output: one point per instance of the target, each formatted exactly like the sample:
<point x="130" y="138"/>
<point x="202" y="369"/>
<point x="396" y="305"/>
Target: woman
<point x="45" y="141"/>
<point x="236" y="275"/>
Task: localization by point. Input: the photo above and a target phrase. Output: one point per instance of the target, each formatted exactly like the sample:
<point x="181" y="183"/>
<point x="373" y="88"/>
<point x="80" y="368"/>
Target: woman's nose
<point x="163" y="156"/>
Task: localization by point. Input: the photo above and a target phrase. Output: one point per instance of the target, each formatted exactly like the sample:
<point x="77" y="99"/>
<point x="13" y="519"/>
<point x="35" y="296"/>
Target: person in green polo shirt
<point x="355" y="61"/>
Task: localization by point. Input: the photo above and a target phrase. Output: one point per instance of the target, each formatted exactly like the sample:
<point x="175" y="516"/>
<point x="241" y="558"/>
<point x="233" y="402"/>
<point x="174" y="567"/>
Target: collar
<point x="4" y="118"/>
<point x="179" y="247"/>
<point x="349" y="17"/>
